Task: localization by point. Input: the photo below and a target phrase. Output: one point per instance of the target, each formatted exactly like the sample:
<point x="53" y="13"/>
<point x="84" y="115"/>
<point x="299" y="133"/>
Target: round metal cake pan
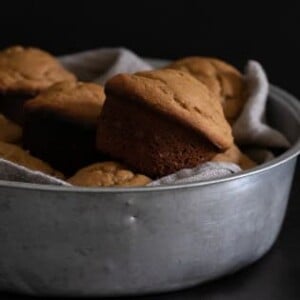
<point x="129" y="241"/>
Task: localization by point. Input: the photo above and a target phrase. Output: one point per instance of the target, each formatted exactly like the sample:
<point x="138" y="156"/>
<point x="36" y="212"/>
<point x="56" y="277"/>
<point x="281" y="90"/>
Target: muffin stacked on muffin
<point x="161" y="121"/>
<point x="60" y="125"/>
<point x="24" y="72"/>
<point x="221" y="78"/>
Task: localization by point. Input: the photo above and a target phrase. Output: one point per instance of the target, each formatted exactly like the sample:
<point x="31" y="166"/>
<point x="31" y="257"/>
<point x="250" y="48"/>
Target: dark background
<point x="234" y="32"/>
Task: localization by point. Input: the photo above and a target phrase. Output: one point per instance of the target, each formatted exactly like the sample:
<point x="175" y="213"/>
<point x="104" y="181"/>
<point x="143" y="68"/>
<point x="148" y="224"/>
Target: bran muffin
<point x="24" y="72"/>
<point x="107" y="174"/>
<point x="10" y="132"/>
<point x="161" y="121"/>
<point x="234" y="155"/>
<point x="60" y="125"/>
<point x="21" y="157"/>
<point x="221" y="78"/>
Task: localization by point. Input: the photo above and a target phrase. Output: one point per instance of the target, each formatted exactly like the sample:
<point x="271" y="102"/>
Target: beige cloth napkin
<point x="101" y="64"/>
<point x="251" y="128"/>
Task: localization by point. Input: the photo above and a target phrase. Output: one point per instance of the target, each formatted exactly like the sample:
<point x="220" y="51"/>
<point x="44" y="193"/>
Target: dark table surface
<point x="276" y="276"/>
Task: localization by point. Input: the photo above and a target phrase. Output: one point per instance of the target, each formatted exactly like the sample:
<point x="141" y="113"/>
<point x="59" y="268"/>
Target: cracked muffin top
<point x="21" y="157"/>
<point x="220" y="77"/>
<point x="29" y="70"/>
<point x="77" y="101"/>
<point x="178" y="95"/>
<point x="108" y="174"/>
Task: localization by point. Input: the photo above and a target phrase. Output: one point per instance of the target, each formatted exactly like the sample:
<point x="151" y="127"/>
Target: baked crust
<point x="234" y="155"/>
<point x="9" y="131"/>
<point x="107" y="174"/>
<point x="181" y="97"/>
<point x="147" y="141"/>
<point x="78" y="101"/>
<point x="221" y="78"/>
<point x="29" y="70"/>
<point x="21" y="157"/>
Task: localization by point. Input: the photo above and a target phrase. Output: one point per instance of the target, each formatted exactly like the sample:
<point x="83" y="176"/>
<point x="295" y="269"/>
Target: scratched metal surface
<point x="76" y="241"/>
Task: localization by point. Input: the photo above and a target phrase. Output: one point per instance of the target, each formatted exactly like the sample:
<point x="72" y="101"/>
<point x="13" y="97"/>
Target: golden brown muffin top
<point x="234" y="155"/>
<point x="220" y="77"/>
<point x="29" y="70"/>
<point x="21" y="157"/>
<point x="10" y="132"/>
<point x="178" y="95"/>
<point x="107" y="174"/>
<point x="74" y="100"/>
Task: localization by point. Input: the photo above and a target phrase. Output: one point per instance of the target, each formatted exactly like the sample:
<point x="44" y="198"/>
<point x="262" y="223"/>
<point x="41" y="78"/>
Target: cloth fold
<point x="250" y="128"/>
<point x="209" y="170"/>
<point x="101" y="64"/>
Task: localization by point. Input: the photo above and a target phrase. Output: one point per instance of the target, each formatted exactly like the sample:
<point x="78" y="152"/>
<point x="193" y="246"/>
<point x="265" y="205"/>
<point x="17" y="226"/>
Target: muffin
<point x="234" y="155"/>
<point x="60" y="125"/>
<point x="24" y="72"/>
<point x="9" y="131"/>
<point x="19" y="156"/>
<point x="161" y="121"/>
<point x="107" y="174"/>
<point x="221" y="78"/>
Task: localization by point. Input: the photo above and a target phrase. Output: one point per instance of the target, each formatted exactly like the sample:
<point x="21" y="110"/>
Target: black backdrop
<point x="169" y="29"/>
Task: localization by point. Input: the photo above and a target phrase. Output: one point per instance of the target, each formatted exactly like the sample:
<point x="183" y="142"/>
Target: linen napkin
<point x="251" y="128"/>
<point x="100" y="65"/>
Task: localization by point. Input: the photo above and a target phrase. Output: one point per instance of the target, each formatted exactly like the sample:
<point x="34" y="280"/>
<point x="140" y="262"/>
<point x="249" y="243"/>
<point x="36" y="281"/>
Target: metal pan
<point x="110" y="241"/>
